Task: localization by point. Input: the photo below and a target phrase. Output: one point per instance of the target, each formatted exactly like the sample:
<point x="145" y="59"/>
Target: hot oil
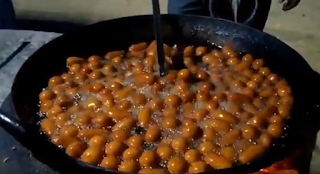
<point x="221" y="87"/>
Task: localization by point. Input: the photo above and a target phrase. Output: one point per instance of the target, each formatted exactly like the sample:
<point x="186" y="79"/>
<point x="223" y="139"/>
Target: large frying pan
<point x="119" y="34"/>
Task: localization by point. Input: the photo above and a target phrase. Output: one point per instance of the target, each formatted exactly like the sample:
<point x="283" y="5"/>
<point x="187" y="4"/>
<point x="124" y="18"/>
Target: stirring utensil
<point x="235" y="6"/>
<point x="163" y="69"/>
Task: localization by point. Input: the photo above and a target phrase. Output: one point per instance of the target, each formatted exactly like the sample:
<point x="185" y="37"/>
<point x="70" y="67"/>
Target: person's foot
<point x="289" y="4"/>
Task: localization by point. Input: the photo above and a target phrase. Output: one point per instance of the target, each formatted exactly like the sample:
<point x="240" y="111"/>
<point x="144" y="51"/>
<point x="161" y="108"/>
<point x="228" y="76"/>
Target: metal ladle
<point x="163" y="68"/>
<point x="235" y="6"/>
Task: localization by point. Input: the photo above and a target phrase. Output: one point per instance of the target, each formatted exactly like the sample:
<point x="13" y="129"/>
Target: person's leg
<point x="7" y="15"/>
<point x="188" y="7"/>
<point x="221" y="9"/>
<point x="260" y="10"/>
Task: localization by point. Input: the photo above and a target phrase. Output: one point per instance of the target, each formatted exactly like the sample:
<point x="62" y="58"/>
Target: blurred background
<point x="298" y="27"/>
